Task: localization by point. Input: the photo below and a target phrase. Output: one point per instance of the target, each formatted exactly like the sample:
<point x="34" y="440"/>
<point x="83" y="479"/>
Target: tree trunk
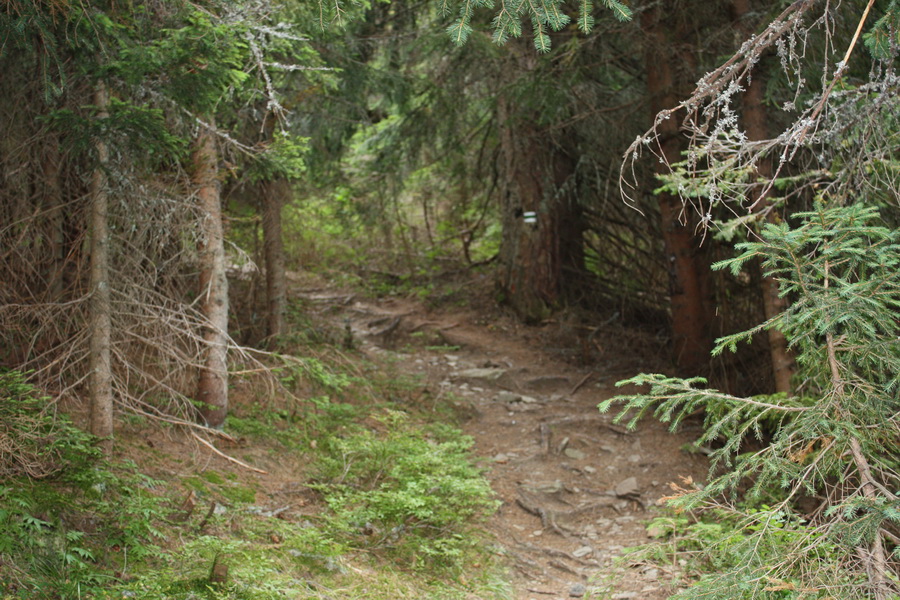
<point x="100" y="379"/>
<point x="755" y="119"/>
<point x="275" y="194"/>
<point x="670" y="67"/>
<point x="535" y="257"/>
<point x="212" y="387"/>
<point x="53" y="203"/>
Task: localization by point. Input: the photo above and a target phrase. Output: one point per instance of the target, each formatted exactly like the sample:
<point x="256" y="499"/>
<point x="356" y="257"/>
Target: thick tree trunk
<point x="212" y="387"/>
<point x="670" y="67"/>
<point x="100" y="380"/>
<point x="535" y="258"/>
<point x="275" y="194"/>
<point x="755" y="119"/>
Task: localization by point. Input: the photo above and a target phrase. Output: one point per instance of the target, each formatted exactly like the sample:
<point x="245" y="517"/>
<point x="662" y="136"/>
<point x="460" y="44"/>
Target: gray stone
<point x="544" y="487"/>
<point x="627" y="487"/>
<point x="505" y="396"/>
<point x="582" y="552"/>
<point x="482" y="374"/>
<point x="577" y="590"/>
<point x="574" y="453"/>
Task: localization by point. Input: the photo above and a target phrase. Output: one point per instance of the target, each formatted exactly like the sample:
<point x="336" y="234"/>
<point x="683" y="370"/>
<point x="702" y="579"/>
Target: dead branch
<point x="226" y="457"/>
<point x="578" y="385"/>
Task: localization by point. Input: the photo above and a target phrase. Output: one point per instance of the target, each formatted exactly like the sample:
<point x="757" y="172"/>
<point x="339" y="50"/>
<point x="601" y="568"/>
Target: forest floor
<point x="576" y="489"/>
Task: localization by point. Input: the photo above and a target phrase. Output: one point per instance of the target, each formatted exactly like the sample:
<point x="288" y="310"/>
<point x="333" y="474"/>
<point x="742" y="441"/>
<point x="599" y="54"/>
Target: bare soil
<point x="576" y="489"/>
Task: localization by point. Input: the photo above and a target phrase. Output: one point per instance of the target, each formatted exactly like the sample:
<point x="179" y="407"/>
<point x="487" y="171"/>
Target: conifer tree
<point x="670" y="65"/>
<point x="836" y="442"/>
<point x="100" y="323"/>
<point x="755" y="116"/>
<point x="212" y="385"/>
<point x="167" y="69"/>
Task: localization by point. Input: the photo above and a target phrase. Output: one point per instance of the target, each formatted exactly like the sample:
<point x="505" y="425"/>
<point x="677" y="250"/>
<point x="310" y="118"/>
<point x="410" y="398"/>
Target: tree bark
<point x="100" y="379"/>
<point x="670" y="73"/>
<point x="755" y="120"/>
<point x="275" y="194"/>
<point x="212" y="386"/>
<point x="53" y="203"/>
<point x="535" y="258"/>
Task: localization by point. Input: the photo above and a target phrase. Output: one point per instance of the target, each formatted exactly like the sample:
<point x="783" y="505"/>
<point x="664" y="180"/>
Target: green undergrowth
<point x="389" y="507"/>
<point x="700" y="547"/>
<point x="410" y="492"/>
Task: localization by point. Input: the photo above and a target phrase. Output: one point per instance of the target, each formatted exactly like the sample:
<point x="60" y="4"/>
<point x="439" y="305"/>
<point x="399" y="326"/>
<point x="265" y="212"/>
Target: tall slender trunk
<point x="53" y="204"/>
<point x="275" y="194"/>
<point x="100" y="380"/>
<point x="669" y="63"/>
<point x="212" y="386"/>
<point x="755" y="119"/>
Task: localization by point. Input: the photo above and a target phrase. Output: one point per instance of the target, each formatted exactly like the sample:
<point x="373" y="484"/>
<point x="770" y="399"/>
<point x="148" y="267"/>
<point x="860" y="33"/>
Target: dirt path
<point x="575" y="488"/>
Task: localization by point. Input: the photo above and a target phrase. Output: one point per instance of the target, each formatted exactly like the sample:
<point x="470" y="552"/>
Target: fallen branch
<point x="578" y="385"/>
<point x="226" y="457"/>
<point x="562" y="567"/>
<point x="543" y="592"/>
<point x="183" y="422"/>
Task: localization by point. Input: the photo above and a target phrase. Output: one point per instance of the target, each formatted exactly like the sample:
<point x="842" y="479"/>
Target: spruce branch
<point x="874" y="557"/>
<point x="840" y="265"/>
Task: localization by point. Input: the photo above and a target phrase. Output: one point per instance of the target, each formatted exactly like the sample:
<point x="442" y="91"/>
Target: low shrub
<point x="413" y="493"/>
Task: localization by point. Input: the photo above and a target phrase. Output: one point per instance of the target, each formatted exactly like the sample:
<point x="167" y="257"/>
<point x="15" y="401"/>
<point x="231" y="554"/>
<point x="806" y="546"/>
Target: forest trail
<point x="575" y="488"/>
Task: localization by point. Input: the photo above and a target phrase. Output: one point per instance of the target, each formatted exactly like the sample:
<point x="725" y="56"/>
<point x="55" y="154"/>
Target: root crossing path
<point x="575" y="488"/>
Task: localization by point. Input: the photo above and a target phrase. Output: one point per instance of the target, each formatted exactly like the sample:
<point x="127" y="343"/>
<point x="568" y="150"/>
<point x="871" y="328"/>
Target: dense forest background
<point x="715" y="180"/>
